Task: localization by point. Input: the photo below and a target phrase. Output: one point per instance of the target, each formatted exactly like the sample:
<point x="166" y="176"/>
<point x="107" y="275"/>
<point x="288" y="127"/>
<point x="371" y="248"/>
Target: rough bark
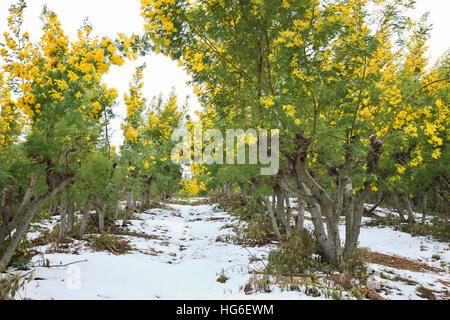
<point x="398" y="206"/>
<point x="229" y="189"/>
<point x="279" y="205"/>
<point x="70" y="217"/>
<point x="409" y="209"/>
<point x="380" y="199"/>
<point x="10" y="225"/>
<point x="345" y="202"/>
<point x="30" y="212"/>
<point x="100" y="208"/>
<point x="301" y="214"/>
<point x="63" y="219"/>
<point x="243" y="194"/>
<point x="425" y="206"/>
<point x="288" y="213"/>
<point x="86" y="211"/>
<point x="131" y="205"/>
<point x="273" y="219"/>
<point x="117" y="203"/>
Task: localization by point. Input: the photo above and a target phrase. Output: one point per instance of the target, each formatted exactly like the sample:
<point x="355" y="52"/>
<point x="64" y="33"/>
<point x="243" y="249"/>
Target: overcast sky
<point x="110" y="17"/>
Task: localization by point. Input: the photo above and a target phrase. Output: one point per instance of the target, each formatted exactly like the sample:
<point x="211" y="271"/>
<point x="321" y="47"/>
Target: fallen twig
<point x="65" y="265"/>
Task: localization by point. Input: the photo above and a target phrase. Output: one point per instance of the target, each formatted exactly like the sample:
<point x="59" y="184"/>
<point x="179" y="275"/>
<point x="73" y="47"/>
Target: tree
<point x="324" y="73"/>
<point x="58" y="104"/>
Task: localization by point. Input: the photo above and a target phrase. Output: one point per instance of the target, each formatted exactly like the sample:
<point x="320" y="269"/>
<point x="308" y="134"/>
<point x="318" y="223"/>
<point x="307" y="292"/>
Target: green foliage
<point x="438" y="228"/>
<point x="38" y="144"/>
<point x="109" y="242"/>
<point x="298" y="255"/>
<point x="254" y="227"/>
<point x="10" y="285"/>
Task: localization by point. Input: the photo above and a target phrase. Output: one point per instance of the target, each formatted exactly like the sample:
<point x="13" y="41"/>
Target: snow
<point x="183" y="261"/>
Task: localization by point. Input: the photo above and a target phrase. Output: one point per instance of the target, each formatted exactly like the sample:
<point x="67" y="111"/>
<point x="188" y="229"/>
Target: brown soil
<point x="398" y="262"/>
<point x="426" y="293"/>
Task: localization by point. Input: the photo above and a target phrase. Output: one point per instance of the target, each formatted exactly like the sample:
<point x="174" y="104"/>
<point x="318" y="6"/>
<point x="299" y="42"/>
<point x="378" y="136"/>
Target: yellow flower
<point x="401" y="169"/>
<point x="436" y="154"/>
<point x="72" y="76"/>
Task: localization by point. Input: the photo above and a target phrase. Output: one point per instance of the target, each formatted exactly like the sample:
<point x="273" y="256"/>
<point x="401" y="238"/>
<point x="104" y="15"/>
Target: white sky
<point x="110" y="17"/>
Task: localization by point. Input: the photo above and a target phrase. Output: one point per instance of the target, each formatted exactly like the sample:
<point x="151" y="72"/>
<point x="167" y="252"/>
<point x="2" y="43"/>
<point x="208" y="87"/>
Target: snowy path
<point x="183" y="261"/>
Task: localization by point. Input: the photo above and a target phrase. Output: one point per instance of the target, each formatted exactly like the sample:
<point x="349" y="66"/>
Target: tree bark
<point x="63" y="219"/>
<point x="398" y="206"/>
<point x="409" y="208"/>
<point x="131" y="205"/>
<point x="101" y="216"/>
<point x="301" y="214"/>
<point x="229" y="189"/>
<point x="11" y="225"/>
<point x="381" y="197"/>
<point x="321" y="203"/>
<point x="30" y="212"/>
<point x="86" y="211"/>
<point x="273" y="219"/>
<point x="288" y="212"/>
<point x="70" y="216"/>
<point x="244" y="200"/>
<point x="117" y="202"/>
<point x="425" y="206"/>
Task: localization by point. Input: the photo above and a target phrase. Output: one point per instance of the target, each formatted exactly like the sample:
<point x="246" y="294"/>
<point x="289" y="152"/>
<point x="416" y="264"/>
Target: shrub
<point x="298" y="255"/>
<point x="257" y="232"/>
<point x="11" y="284"/>
<point x="257" y="229"/>
<point x="109" y="242"/>
<point x="439" y="228"/>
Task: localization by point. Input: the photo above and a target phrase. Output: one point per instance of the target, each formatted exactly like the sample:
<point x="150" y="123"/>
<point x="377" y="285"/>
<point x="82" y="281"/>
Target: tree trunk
<point x="9" y="226"/>
<point x="101" y="216"/>
<point x="244" y="200"/>
<point x="145" y="201"/>
<point x="273" y="219"/>
<point x="70" y="217"/>
<point x="398" y="206"/>
<point x="117" y="203"/>
<point x="425" y="206"/>
<point x="130" y="207"/>
<point x="229" y="189"/>
<point x="288" y="212"/>
<point x="409" y="208"/>
<point x="30" y="212"/>
<point x="63" y="219"/>
<point x="380" y="199"/>
<point x="301" y="214"/>
<point x="281" y="214"/>
<point x="343" y="202"/>
<point x="55" y="207"/>
<point x="86" y="211"/>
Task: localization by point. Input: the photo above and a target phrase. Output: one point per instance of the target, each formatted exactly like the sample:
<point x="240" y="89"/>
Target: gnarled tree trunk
<point x="272" y="216"/>
<point x="29" y="214"/>
<point x="301" y="214"/>
<point x="345" y="203"/>
<point x="84" y="218"/>
<point x="131" y="204"/>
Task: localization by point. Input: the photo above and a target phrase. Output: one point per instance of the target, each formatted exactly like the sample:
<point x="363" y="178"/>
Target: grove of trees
<point x="362" y="115"/>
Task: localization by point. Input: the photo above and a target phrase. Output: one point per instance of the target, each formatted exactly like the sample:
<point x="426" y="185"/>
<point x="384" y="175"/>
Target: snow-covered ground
<point x="184" y="261"/>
